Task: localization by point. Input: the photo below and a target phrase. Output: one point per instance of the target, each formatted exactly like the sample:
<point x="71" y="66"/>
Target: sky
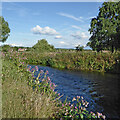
<point x="62" y="24"/>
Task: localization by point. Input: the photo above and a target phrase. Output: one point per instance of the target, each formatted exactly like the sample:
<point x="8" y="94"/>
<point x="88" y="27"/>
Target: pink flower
<point x="75" y="107"/>
<point x="103" y="116"/>
<point x="48" y="78"/>
<point x="74" y="99"/>
<point x="46" y="71"/>
<point x="78" y="97"/>
<point x="36" y="67"/>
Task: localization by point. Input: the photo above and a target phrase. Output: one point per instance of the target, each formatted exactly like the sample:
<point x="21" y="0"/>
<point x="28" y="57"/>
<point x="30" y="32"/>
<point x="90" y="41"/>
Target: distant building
<point x="22" y="49"/>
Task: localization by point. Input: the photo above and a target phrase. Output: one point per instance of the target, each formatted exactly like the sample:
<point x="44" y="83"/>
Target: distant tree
<point x="79" y="48"/>
<point x="105" y="28"/>
<point x="4" y="30"/>
<point x="42" y="46"/>
<point x="6" y="48"/>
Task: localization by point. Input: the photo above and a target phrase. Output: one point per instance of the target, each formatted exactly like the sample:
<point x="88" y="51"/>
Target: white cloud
<point x="62" y="42"/>
<point x="16" y="44"/>
<point x="58" y="37"/>
<point x="71" y="16"/>
<point x="44" y="31"/>
<point x="76" y="27"/>
<point x="80" y="35"/>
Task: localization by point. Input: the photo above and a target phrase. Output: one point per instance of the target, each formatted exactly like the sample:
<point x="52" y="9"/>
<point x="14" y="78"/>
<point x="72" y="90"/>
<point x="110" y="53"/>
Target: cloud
<point x="76" y="27"/>
<point x="71" y="16"/>
<point x="62" y="42"/>
<point x="58" y="37"/>
<point x="80" y="35"/>
<point x="16" y="44"/>
<point x="44" y="31"/>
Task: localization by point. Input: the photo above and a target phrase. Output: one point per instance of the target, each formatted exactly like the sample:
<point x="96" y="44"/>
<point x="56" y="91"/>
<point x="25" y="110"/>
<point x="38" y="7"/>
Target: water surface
<point x="100" y="90"/>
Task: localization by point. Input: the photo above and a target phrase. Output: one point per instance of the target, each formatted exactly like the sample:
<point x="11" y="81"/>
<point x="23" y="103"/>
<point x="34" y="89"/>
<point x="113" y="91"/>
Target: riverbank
<point x="85" y="61"/>
<point x="25" y="96"/>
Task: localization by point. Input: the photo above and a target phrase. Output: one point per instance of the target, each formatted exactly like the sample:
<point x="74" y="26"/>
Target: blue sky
<point x="62" y="24"/>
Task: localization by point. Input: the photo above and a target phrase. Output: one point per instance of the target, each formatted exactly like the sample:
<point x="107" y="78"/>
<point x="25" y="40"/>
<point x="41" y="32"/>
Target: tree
<point x="43" y="46"/>
<point x="105" y="28"/>
<point x="4" y="30"/>
<point x="79" y="48"/>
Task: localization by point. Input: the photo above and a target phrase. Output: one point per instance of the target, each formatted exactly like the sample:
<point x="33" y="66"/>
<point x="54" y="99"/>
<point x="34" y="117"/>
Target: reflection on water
<point x="100" y="90"/>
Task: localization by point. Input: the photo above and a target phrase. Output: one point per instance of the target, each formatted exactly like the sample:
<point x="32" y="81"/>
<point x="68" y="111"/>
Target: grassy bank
<point x="89" y="61"/>
<point x="18" y="99"/>
<point x="25" y="96"/>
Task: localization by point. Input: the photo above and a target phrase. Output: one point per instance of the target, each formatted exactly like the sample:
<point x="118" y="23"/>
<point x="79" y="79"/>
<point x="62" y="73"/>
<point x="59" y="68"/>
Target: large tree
<point x="4" y="30"/>
<point x="105" y="28"/>
<point x="43" y="46"/>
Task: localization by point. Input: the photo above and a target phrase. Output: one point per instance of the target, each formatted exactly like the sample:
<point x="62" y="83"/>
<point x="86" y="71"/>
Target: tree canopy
<point x="4" y="30"/>
<point x="105" y="28"/>
<point x="43" y="46"/>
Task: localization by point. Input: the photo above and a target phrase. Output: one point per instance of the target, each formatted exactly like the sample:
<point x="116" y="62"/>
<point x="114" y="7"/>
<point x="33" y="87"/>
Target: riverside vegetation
<point x="90" y="61"/>
<point x="27" y="96"/>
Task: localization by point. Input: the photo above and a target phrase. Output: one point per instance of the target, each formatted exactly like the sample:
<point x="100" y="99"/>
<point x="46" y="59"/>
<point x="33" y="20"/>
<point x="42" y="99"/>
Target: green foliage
<point x="43" y="46"/>
<point x="86" y="60"/>
<point x="105" y="27"/>
<point x="79" y="48"/>
<point x="6" y="48"/>
<point x="4" y="30"/>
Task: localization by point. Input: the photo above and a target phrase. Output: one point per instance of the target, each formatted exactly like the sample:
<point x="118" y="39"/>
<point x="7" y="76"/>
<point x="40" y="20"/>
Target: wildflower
<point x="58" y="94"/>
<point x="74" y="99"/>
<point x="103" y="116"/>
<point x="78" y="97"/>
<point x="54" y="84"/>
<point x="66" y="113"/>
<point x="75" y="107"/>
<point x="36" y="67"/>
<point x="48" y="78"/>
<point x="72" y="105"/>
<point x="41" y="71"/>
<point x="99" y="114"/>
<point x="81" y="97"/>
<point x="86" y="104"/>
<point x="62" y="105"/>
<point x="66" y="104"/>
<point x="46" y="71"/>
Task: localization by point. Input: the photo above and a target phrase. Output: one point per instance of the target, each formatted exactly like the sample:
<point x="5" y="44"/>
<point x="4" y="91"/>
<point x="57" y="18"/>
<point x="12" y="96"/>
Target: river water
<point x="100" y="90"/>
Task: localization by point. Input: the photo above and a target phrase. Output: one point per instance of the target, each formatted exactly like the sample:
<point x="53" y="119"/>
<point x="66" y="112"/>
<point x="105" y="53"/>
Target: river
<point x="100" y="90"/>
